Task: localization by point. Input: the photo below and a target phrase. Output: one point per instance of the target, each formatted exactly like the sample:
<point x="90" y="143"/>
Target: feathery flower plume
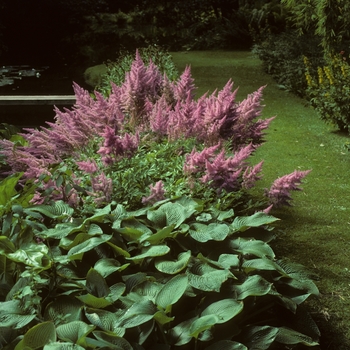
<point x="157" y="193"/>
<point x="250" y="175"/>
<point x="279" y="193"/>
<point x="184" y="86"/>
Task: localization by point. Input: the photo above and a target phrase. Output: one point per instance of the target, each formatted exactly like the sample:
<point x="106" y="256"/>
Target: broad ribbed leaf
<point x="180" y="334"/>
<point x="58" y="210"/>
<point x="149" y="289"/>
<point x="226" y="345"/>
<point x="302" y="289"/>
<point x="107" y="266"/>
<point x="87" y="245"/>
<point x="152" y="251"/>
<point x="207" y="281"/>
<point x="96" y="284"/>
<point x="62" y="346"/>
<point x="73" y="331"/>
<point x="95" y="302"/>
<point x="224" y="309"/>
<point x="106" y="320"/>
<point x="212" y="232"/>
<point x="254" y="247"/>
<point x="159" y="236"/>
<point x="289" y="336"/>
<point x="138" y="314"/>
<point x="253" y="286"/>
<point x="118" y="342"/>
<point x="38" y="336"/>
<point x="243" y="223"/>
<point x="119" y="250"/>
<point x="172" y="291"/>
<point x="260" y="264"/>
<point x="8" y="188"/>
<point x="6" y="246"/>
<point x="162" y="318"/>
<point x="95" y="230"/>
<point x="64" y="308"/>
<point x="228" y="261"/>
<point x="201" y="324"/>
<point x="260" y="337"/>
<point x="62" y="230"/>
<point x="173" y="267"/>
<point x="15" y="321"/>
<point x="35" y="255"/>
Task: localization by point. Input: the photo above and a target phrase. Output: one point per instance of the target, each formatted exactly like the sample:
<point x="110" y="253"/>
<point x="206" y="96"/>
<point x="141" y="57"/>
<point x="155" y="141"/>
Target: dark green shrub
<point x="282" y="57"/>
<point x="329" y="91"/>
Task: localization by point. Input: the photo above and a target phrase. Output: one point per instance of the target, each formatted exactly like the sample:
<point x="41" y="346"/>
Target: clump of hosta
<point x="149" y="139"/>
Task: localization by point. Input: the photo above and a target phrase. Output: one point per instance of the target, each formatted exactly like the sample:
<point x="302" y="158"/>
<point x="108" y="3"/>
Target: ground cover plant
<point x="92" y="258"/>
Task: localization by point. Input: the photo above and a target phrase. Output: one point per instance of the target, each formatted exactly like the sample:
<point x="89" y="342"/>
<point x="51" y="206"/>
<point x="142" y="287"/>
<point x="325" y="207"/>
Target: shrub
<point x="119" y="228"/>
<point x="329" y="90"/>
<point x="282" y="57"/>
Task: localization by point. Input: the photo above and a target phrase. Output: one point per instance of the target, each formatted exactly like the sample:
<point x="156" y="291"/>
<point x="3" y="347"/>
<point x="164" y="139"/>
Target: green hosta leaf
<point x="111" y="339"/>
<point x="212" y="232"/>
<point x="224" y="309"/>
<point x="260" y="264"/>
<point x="100" y="215"/>
<point x="95" y="230"/>
<point x="8" y="188"/>
<point x="131" y="229"/>
<point x="107" y="266"/>
<point x="162" y="318"/>
<point x="229" y="260"/>
<point x="62" y="230"/>
<point x="254" y="247"/>
<point x="173" y="267"/>
<point x="222" y="215"/>
<point x="87" y="246"/>
<point x="149" y="289"/>
<point x="180" y="334"/>
<point x="201" y="324"/>
<point x="207" y="281"/>
<point x="64" y="309"/>
<point x="96" y="284"/>
<point x="130" y="234"/>
<point x="289" y="336"/>
<point x="243" y="223"/>
<point x="159" y="236"/>
<point x="73" y="331"/>
<point x="106" y="320"/>
<point x="119" y="250"/>
<point x="138" y="314"/>
<point x="38" y="336"/>
<point x="58" y="210"/>
<point x="15" y="321"/>
<point x="302" y="289"/>
<point x="62" y="346"/>
<point x="152" y="251"/>
<point x="34" y="255"/>
<point x="226" y="345"/>
<point x="260" y="338"/>
<point x="95" y="302"/>
<point x="172" y="291"/>
<point x="253" y="286"/>
<point x="6" y="246"/>
<point x="169" y="214"/>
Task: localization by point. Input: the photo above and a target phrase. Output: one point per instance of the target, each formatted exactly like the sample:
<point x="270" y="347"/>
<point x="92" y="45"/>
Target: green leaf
<point x="254" y="247"/>
<point x="96" y="284"/>
<point x="106" y="320"/>
<point x="58" y="210"/>
<point x="62" y="346"/>
<point x="224" y="309"/>
<point x="107" y="266"/>
<point x="260" y="337"/>
<point x="228" y="261"/>
<point x="159" y="236"/>
<point x="204" y="233"/>
<point x="87" y="246"/>
<point x="289" y="336"/>
<point x="152" y="251"/>
<point x="253" y="286"/>
<point x="180" y="334"/>
<point x="138" y="314"/>
<point x="93" y="301"/>
<point x="263" y="264"/>
<point x="243" y="223"/>
<point x="201" y="324"/>
<point x="64" y="309"/>
<point x="173" y="267"/>
<point x="15" y="321"/>
<point x="112" y="339"/>
<point x="172" y="291"/>
<point x="8" y="188"/>
<point x="6" y="246"/>
<point x="161" y="318"/>
<point x="226" y="345"/>
<point x="38" y="336"/>
<point x="73" y="331"/>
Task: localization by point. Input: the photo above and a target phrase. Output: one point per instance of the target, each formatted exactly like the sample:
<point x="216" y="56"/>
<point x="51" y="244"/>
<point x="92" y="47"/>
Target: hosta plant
<point x="178" y="274"/>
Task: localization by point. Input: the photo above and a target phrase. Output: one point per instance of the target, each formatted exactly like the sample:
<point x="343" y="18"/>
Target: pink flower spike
<point x="157" y="193"/>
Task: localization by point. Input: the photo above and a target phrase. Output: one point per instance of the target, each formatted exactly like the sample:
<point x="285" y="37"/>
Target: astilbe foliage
<point x="97" y="133"/>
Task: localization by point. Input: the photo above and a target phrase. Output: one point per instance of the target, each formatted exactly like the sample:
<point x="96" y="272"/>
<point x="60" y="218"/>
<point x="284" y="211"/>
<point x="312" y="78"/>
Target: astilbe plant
<point x="147" y="109"/>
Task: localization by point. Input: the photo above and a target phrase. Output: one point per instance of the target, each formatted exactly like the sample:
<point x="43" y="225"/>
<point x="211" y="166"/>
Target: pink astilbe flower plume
<point x="184" y="86"/>
<point x="279" y="193"/>
<point x="157" y="193"/>
<point x="251" y="175"/>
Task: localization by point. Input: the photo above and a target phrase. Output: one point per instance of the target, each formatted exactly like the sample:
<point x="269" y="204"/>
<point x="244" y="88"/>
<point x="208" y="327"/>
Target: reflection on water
<point x="9" y="74"/>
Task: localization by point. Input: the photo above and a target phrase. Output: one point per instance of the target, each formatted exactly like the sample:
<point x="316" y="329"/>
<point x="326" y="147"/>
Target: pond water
<point x="11" y="75"/>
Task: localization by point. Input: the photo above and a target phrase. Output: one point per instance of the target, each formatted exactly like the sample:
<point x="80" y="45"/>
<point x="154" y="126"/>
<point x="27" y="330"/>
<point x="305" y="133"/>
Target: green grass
<point x="316" y="228"/>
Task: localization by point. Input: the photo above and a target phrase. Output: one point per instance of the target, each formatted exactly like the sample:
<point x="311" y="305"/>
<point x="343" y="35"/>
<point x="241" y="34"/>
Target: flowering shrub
<point x="149" y="133"/>
<point x="329" y="90"/>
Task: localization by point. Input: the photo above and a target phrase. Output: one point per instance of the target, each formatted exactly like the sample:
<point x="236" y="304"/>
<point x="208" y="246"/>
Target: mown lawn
<point x="316" y="230"/>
